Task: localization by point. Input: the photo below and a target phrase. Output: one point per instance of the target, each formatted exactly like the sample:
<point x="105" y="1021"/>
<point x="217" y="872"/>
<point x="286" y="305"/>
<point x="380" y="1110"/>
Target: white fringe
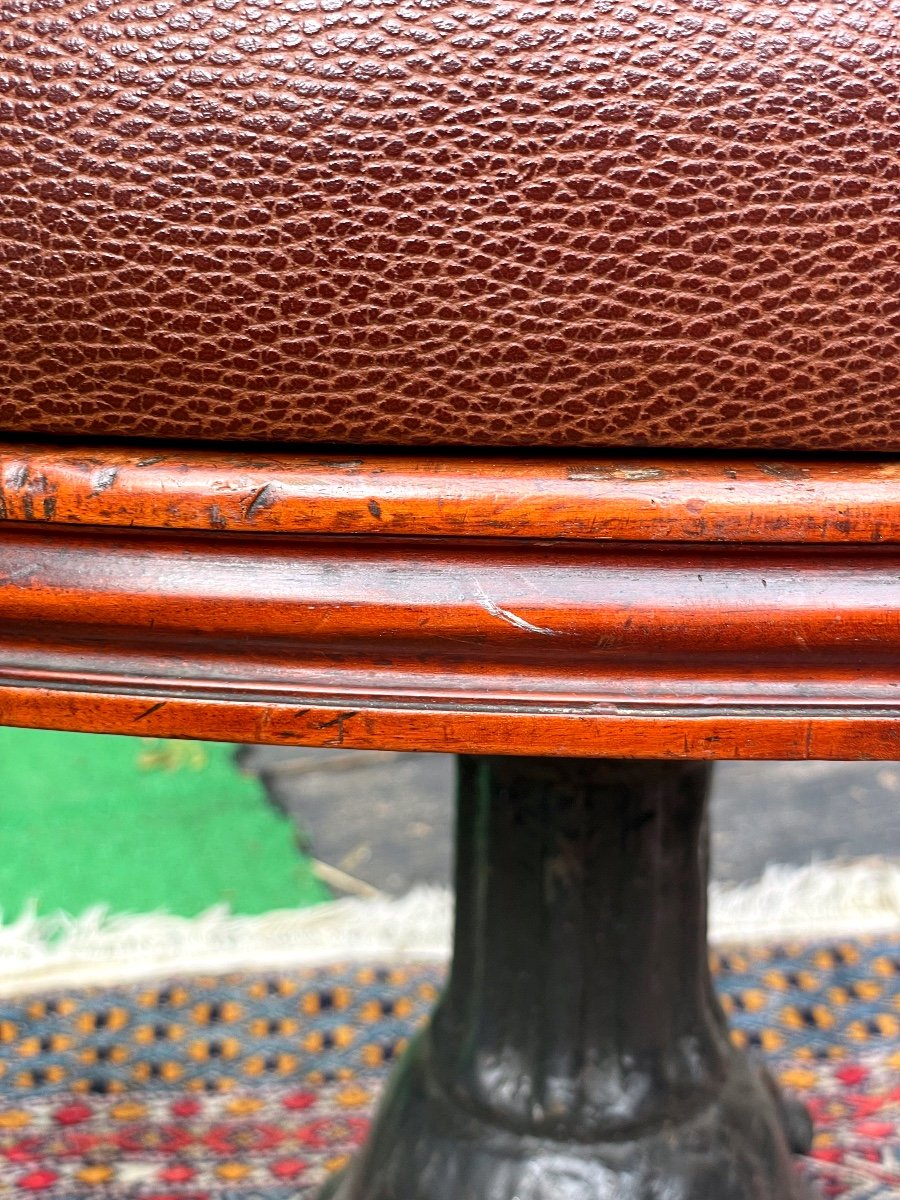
<point x="835" y="899"/>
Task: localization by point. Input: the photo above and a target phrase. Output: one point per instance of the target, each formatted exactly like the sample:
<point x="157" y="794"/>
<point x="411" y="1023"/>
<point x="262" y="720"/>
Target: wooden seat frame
<point x="584" y="631"/>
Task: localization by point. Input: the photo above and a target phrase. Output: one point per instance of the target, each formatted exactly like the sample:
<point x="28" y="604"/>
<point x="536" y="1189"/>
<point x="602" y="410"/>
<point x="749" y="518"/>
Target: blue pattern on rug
<point x="255" y="1086"/>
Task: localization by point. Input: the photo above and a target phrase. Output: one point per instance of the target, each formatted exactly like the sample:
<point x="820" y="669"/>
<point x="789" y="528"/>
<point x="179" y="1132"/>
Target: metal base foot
<point x="578" y="1052"/>
<point x="424" y="1148"/>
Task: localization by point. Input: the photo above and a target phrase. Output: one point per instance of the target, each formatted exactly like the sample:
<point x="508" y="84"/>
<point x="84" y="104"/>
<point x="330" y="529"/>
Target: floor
<point x="383" y="821"/>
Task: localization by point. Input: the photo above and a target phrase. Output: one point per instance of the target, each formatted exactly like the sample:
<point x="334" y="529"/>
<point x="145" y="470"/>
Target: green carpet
<point x="140" y="825"/>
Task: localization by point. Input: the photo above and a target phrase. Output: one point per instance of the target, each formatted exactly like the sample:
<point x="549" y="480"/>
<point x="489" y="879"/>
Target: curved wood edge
<point x="841" y="736"/>
<point x="575" y="648"/>
<point x="576" y="497"/>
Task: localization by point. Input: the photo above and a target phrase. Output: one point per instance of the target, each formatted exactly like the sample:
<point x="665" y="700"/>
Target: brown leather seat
<point x="566" y="223"/>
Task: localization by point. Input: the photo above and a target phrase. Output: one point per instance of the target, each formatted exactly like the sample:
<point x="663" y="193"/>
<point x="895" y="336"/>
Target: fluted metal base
<point x="578" y="1051"/>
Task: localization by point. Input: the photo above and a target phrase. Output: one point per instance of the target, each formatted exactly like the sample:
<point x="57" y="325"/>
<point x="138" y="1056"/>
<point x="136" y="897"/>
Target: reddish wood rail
<point x="574" y="607"/>
<point x="612" y="499"/>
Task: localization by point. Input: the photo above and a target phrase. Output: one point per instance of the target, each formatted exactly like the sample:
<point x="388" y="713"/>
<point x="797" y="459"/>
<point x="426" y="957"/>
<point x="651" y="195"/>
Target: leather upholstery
<point x="545" y="222"/>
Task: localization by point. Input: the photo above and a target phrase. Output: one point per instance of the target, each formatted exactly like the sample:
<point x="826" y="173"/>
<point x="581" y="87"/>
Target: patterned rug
<point x="257" y="1086"/>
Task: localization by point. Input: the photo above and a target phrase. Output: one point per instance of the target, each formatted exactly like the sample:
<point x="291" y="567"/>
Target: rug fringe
<point x="824" y="900"/>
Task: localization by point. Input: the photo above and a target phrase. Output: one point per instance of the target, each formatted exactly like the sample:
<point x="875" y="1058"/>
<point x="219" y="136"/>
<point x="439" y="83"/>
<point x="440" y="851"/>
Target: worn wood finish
<point x="572" y="648"/>
<point x="614" y="499"/>
<point x="653" y="610"/>
<point x="573" y="609"/>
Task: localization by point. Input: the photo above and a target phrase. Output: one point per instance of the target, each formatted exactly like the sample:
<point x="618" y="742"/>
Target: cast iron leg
<point x="578" y="1052"/>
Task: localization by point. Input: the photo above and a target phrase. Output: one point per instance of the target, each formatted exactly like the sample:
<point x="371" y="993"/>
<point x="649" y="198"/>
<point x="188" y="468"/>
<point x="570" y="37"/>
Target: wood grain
<point x="476" y="645"/>
<point x="595" y="498"/>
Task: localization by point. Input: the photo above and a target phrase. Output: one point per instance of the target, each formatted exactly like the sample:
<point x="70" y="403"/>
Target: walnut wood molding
<point x="714" y="609"/>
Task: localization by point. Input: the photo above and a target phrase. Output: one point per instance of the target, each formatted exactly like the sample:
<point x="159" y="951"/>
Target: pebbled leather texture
<point x="483" y="222"/>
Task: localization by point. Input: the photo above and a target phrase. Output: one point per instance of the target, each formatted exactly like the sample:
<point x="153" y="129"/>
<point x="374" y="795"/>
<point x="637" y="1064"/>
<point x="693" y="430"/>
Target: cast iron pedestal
<point x="578" y="1052"/>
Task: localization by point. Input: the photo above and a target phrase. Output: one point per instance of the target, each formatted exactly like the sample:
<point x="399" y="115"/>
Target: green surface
<point x="140" y="825"/>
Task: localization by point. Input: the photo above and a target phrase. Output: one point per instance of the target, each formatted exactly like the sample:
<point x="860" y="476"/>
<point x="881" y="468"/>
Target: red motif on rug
<point x="258" y="1087"/>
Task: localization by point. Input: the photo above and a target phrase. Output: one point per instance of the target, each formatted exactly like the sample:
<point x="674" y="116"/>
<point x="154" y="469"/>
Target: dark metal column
<point x="578" y="1052"/>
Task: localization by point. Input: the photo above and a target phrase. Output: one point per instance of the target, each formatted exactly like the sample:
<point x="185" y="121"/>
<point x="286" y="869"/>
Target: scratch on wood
<point x="16" y="575"/>
<point x="503" y="614"/>
<point x="148" y="712"/>
<point x="19" y="477"/>
<point x="336" y="464"/>
<point x="215" y="517"/>
<point x="104" y="480"/>
<point x="338" y="722"/>
<point x="375" y="509"/>
<point x="264" y="498"/>
<point x="341" y="717"/>
<point x="628" y="474"/>
<point x="784" y="470"/>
